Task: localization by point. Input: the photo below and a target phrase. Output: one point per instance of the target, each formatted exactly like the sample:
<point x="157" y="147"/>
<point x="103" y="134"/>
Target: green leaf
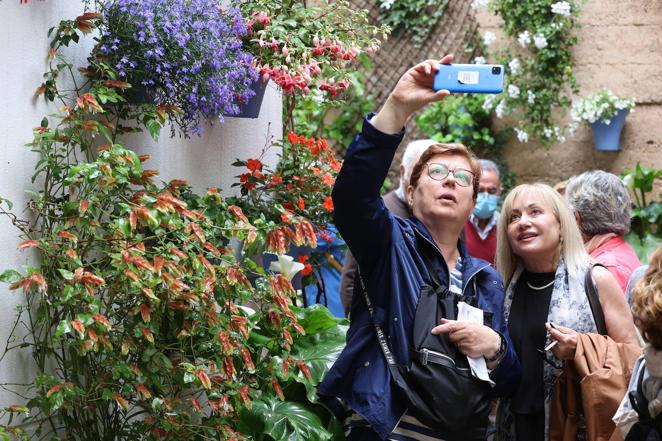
<point x="282" y="421"/>
<point x="66" y="275"/>
<point x="316" y="318"/>
<point x="106" y="133"/>
<point x="62" y="328"/>
<point x="10" y="276"/>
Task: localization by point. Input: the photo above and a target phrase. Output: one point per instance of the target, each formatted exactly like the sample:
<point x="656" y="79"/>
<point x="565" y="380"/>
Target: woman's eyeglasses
<point x="439" y="172"/>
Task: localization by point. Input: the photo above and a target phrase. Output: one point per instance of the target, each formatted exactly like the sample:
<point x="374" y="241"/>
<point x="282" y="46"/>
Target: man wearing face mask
<point x="480" y="230"/>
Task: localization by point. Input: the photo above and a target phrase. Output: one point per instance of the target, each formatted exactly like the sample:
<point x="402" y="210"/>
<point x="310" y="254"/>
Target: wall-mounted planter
<point x="251" y="109"/>
<point x="607" y="137"/>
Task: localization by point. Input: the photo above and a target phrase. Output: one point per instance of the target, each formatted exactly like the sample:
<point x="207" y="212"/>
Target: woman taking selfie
<point x="542" y="260"/>
<point x="403" y="263"/>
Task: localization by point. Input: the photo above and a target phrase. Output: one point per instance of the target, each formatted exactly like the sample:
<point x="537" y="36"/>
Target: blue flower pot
<point x="607" y="137"/>
<point x="251" y="109"/>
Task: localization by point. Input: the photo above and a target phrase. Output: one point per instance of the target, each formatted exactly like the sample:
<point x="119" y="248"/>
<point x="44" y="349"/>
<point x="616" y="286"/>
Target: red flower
<point x="301" y="204"/>
<point x="328" y="203"/>
<point x="275" y="180"/>
<point x="254" y="165"/>
<point x="286" y="217"/>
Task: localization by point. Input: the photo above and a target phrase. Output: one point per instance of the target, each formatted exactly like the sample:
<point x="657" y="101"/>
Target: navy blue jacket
<point x="388" y="250"/>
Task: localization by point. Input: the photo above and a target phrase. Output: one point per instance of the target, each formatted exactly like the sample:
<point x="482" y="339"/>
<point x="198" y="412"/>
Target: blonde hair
<point x="571" y="246"/>
<point x="647" y="302"/>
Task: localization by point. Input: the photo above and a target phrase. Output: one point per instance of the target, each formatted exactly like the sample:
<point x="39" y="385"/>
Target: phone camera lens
<point x="496" y="70"/>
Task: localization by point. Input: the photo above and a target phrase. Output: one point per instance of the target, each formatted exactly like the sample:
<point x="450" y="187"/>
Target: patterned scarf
<point x="568" y="307"/>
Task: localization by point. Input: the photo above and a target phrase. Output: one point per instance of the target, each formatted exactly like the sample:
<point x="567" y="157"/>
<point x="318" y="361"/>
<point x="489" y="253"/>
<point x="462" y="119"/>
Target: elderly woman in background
<point x="542" y="260"/>
<point x="602" y="207"/>
<point x="646" y="381"/>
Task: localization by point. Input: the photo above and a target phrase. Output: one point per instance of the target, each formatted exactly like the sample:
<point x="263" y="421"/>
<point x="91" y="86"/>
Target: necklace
<point x="538" y="288"/>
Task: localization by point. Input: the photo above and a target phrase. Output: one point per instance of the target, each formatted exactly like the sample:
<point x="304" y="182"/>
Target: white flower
<point x="286" y="266"/>
<point x="318" y="96"/>
<point x="386" y="4"/>
<point x="514" y="66"/>
<point x="548" y="132"/>
<point x="524" y="38"/>
<point x="500" y="109"/>
<point x="522" y="136"/>
<point x="559" y="135"/>
<point x="488" y="103"/>
<point x="489" y="38"/>
<point x="530" y="97"/>
<point x="477" y="4"/>
<point x="479" y="60"/>
<point x="572" y="128"/>
<point x="513" y="91"/>
<point x="561" y="8"/>
<point x="540" y="41"/>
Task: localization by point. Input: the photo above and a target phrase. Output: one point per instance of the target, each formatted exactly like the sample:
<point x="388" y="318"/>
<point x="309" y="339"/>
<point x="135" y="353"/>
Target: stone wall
<point x="619" y="48"/>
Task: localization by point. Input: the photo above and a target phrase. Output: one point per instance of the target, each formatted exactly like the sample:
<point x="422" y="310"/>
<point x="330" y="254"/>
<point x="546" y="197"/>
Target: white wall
<point x="202" y="161"/>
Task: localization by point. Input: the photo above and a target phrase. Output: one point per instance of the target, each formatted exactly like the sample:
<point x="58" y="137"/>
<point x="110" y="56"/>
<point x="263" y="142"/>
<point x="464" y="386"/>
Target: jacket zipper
<point x="427" y="352"/>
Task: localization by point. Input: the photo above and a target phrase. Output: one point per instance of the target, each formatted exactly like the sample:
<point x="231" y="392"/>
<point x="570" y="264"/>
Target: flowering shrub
<point x="136" y="313"/>
<point x="539" y="73"/>
<point x="308" y="49"/>
<point x="185" y="53"/>
<point x="293" y="42"/>
<point x="415" y="19"/>
<point x="298" y="189"/>
<point x="599" y="106"/>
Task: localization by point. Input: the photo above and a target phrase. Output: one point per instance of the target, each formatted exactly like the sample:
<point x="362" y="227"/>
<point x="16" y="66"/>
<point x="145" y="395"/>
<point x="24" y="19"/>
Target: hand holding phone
<point x="469" y="78"/>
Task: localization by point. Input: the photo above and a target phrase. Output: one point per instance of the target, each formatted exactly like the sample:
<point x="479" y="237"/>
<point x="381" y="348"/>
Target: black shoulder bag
<point x="439" y="388"/>
<point x="594" y="302"/>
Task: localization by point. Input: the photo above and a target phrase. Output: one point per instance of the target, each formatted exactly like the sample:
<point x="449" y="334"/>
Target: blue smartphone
<point x="470" y="78"/>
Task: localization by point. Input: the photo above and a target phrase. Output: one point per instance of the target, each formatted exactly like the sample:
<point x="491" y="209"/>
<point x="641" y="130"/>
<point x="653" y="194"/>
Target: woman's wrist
<point x="391" y="118"/>
<point x="499" y="352"/>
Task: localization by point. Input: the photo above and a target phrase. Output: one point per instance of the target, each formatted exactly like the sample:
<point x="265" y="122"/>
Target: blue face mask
<point x="486" y="205"/>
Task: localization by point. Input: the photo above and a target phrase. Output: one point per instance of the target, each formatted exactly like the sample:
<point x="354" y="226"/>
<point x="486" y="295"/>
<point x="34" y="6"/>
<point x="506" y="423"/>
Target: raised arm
<point x="360" y="214"/>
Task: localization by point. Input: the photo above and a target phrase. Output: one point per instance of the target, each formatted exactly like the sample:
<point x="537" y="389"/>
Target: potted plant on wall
<point x="183" y="53"/>
<point x="307" y="49"/>
<point x="605" y="113"/>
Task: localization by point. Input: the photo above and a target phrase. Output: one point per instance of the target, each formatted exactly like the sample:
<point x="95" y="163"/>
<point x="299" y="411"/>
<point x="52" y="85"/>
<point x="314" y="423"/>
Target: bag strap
<point x="594" y="301"/>
<point x="388" y="355"/>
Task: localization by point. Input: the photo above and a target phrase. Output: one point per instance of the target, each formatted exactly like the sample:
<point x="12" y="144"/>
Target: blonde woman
<point x="542" y="260"/>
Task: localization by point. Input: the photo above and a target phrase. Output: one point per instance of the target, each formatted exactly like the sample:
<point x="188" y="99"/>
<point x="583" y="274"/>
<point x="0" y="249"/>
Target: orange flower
<point x="254" y="165"/>
<point x="328" y="203"/>
<point x="301" y="204"/>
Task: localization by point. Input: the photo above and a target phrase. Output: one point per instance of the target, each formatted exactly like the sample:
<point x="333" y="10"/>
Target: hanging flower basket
<point x="607" y="136"/>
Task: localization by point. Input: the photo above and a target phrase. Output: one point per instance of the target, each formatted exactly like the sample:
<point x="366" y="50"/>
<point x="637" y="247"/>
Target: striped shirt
<point x="408" y="428"/>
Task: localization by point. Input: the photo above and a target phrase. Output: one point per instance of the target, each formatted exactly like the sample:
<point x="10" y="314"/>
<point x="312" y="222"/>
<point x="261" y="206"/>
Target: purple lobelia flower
<point x="186" y="53"/>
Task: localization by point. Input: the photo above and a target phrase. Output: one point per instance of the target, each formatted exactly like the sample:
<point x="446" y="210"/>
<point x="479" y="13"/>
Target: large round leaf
<point x="282" y="421"/>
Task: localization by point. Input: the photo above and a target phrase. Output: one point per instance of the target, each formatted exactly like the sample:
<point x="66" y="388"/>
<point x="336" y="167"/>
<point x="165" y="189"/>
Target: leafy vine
<point x="540" y="71"/>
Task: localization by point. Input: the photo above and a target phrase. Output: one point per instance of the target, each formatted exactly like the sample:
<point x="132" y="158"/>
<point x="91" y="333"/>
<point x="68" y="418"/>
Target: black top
<point x="528" y="314"/>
